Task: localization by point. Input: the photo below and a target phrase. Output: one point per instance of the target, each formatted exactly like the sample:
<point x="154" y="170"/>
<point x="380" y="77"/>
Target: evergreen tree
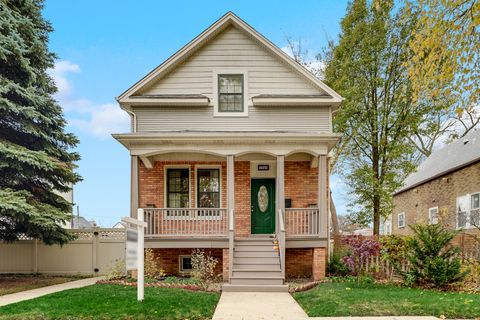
<point x="36" y="160"/>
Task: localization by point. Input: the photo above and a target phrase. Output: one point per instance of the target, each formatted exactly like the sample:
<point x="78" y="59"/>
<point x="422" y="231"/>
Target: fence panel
<point x="94" y="252"/>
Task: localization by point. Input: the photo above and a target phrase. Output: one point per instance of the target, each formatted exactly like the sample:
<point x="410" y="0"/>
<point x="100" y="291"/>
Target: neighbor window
<point x="185" y="263"/>
<point x="401" y="220"/>
<point x="178" y="188"/>
<point x="433" y="215"/>
<point x="208" y="188"/>
<point x="230" y="92"/>
<point x="475" y="209"/>
<point x="462" y="211"/>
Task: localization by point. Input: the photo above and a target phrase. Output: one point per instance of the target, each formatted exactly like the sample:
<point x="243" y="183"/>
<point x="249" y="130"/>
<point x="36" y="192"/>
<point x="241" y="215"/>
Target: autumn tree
<point x="367" y="67"/>
<point x="445" y="67"/>
<point x="36" y="161"/>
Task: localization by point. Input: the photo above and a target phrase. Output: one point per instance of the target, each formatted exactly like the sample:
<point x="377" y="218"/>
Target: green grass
<point x="103" y="301"/>
<point x="350" y="299"/>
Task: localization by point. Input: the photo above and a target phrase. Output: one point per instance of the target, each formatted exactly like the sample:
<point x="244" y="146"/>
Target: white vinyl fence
<point x="94" y="252"/>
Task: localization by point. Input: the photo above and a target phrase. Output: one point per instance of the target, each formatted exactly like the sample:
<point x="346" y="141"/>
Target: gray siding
<point x="259" y="118"/>
<point x="233" y="49"/>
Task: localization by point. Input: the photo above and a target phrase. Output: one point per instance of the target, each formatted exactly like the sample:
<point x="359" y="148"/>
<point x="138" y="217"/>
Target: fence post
<point x="95" y="251"/>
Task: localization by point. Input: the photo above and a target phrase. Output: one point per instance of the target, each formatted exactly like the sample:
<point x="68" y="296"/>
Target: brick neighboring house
<point x="445" y="189"/>
<point x="229" y="153"/>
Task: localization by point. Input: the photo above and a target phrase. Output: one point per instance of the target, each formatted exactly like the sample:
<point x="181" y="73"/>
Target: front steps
<point x="256" y="267"/>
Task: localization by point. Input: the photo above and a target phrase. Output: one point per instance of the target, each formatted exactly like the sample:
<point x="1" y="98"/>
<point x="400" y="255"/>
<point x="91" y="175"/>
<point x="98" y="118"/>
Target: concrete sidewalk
<point x="258" y="305"/>
<point x="35" y="293"/>
<point x="273" y="306"/>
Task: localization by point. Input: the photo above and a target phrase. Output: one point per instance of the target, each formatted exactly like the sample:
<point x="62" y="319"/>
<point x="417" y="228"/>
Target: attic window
<point x="230" y="93"/>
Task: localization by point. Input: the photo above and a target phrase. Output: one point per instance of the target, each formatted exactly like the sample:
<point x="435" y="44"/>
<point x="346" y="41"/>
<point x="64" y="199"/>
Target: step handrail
<point x="281" y="241"/>
<point x="231" y="240"/>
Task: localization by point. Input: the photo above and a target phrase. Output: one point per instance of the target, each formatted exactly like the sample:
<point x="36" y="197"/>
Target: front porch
<point x="259" y="202"/>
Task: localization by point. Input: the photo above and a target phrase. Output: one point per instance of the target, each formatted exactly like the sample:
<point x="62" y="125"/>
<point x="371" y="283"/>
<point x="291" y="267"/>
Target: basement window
<point x="185" y="264"/>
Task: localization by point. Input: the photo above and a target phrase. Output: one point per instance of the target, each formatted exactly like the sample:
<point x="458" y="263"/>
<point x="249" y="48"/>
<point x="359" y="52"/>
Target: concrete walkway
<point x="258" y="305"/>
<point x="274" y="306"/>
<point x="35" y="293"/>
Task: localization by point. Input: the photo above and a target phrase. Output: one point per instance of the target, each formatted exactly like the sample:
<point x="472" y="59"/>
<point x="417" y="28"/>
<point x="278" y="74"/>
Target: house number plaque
<point x="263" y="167"/>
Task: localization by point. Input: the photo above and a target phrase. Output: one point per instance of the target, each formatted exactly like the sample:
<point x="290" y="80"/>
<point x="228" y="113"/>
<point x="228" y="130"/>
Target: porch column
<point x="133" y="186"/>
<point x="322" y="195"/>
<point x="230" y="182"/>
<point x="280" y="187"/>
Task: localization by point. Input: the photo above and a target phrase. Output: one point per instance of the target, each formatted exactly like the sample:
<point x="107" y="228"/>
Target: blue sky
<point x="106" y="46"/>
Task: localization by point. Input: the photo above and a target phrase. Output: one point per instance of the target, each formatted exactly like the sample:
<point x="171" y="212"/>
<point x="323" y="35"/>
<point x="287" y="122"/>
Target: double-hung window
<point x="208" y="192"/>
<point x="230" y="93"/>
<point x="401" y="220"/>
<point x="433" y="215"/>
<point x="475" y="210"/>
<point x="178" y="189"/>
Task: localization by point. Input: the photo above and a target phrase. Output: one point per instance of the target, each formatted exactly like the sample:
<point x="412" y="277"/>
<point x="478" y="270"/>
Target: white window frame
<point x="246" y="99"/>
<point x="204" y="166"/>
<point x="471" y="209"/>
<point x="430" y="220"/>
<point x="401" y="226"/>
<point x="180" y="264"/>
<point x="467" y="213"/>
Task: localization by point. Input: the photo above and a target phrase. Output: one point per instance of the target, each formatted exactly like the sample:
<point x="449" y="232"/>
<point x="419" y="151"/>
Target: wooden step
<point x="260" y="280"/>
<point x="257" y="260"/>
<point x="256" y="273"/>
<point x="254" y="288"/>
<point x="257" y="266"/>
<point x="255" y="248"/>
<point x="255" y="254"/>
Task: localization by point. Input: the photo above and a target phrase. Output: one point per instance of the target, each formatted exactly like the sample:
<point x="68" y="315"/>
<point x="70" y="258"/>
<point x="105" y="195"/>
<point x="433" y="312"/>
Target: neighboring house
<point x="79" y="222"/>
<point x="118" y="225"/>
<point x="229" y="146"/>
<point x="445" y="189"/>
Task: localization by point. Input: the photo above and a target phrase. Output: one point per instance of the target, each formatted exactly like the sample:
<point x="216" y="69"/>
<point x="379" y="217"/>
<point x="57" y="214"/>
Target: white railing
<point x="198" y="222"/>
<point x="302" y="222"/>
<point x="231" y="242"/>
<point x="281" y="241"/>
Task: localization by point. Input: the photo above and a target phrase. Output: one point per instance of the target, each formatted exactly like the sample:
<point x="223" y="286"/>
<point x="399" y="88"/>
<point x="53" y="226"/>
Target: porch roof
<point x="224" y="143"/>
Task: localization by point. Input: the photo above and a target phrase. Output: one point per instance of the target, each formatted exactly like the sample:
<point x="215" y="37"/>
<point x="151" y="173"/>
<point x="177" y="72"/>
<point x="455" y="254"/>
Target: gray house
<point x="229" y="149"/>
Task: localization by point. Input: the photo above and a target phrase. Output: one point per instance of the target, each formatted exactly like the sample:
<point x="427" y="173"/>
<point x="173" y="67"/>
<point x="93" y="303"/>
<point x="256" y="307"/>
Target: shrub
<point x="361" y="249"/>
<point x="471" y="282"/>
<point x="394" y="249"/>
<point x="203" y="267"/>
<point x="433" y="260"/>
<point x="336" y="267"/>
<point x="118" y="270"/>
<point x="152" y="271"/>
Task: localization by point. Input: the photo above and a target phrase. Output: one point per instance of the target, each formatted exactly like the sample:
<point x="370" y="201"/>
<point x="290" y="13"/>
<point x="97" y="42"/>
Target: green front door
<point x="263" y="206"/>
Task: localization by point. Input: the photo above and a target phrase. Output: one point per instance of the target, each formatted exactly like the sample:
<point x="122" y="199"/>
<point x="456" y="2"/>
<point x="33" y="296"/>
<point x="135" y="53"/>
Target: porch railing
<point x="281" y="241"/>
<point x="196" y="222"/>
<point x="302" y="222"/>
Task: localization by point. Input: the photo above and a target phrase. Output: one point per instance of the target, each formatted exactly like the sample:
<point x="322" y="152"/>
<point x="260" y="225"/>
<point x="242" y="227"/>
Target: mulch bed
<point x="160" y="284"/>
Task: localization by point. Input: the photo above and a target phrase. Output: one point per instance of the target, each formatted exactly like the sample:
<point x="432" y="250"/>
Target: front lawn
<point x="350" y="299"/>
<point x="21" y="282"/>
<point x="104" y="301"/>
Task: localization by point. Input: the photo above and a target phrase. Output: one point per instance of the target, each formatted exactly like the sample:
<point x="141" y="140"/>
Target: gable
<point x="232" y="48"/>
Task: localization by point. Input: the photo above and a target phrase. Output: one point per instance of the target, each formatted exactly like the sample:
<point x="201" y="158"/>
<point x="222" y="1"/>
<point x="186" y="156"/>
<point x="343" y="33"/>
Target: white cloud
<point x="103" y="120"/>
<point x="100" y="120"/>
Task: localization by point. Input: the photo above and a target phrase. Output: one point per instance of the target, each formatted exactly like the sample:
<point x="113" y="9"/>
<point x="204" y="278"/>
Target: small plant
<point x="118" y="271"/>
<point x="203" y="267"/>
<point x="336" y="267"/>
<point x="471" y="282"/>
<point x="361" y="249"/>
<point x="434" y="262"/>
<point x="152" y="271"/>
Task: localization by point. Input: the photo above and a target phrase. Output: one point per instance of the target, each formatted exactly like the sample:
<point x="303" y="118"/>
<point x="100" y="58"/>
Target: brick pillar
<point x="225" y="263"/>
<point x="319" y="263"/>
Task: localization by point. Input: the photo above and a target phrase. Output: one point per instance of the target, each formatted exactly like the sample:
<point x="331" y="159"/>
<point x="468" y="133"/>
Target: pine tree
<point x="36" y="161"/>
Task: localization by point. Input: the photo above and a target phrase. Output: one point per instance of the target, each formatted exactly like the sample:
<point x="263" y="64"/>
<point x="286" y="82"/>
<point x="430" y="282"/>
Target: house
<point x="445" y="189"/>
<point x="79" y="222"/>
<point x="229" y="149"/>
